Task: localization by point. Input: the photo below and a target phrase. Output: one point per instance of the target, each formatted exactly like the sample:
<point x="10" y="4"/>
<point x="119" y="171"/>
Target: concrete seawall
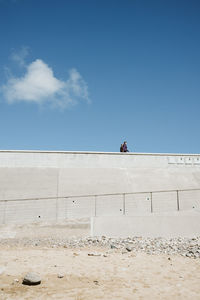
<point x="44" y="186"/>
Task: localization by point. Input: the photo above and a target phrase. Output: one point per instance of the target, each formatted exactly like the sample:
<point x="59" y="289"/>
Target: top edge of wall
<point x="96" y="152"/>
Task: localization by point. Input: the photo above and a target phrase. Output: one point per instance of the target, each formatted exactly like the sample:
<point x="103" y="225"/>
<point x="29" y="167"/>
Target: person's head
<point x="125" y="142"/>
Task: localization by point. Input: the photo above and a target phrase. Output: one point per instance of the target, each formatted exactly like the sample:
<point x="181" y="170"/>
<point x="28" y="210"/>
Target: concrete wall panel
<point x="80" y="207"/>
<point x="173" y="225"/>
<point x="164" y="202"/>
<point x="109" y="205"/>
<point x="61" y="209"/>
<point x="37" y="174"/>
<point x="189" y="200"/>
<point x="90" y="181"/>
<point x="32" y="211"/>
<point x="2" y="212"/>
<point x="21" y="183"/>
<point x="137" y="204"/>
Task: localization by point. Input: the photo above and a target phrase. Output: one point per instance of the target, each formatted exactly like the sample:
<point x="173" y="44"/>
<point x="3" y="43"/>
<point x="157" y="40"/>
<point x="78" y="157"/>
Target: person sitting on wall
<point x="121" y="148"/>
<point x="125" y="148"/>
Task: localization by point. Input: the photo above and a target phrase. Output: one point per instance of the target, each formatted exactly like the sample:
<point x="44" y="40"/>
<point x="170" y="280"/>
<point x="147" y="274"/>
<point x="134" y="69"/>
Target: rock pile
<point x="189" y="247"/>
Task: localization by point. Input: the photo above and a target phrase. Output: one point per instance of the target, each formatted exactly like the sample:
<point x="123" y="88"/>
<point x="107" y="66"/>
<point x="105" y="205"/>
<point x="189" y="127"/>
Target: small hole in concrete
<point x="38" y="216"/>
<point x="73" y="201"/>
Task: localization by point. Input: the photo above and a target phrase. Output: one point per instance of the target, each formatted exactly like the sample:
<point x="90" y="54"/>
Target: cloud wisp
<point x="19" y="57"/>
<point x="39" y="85"/>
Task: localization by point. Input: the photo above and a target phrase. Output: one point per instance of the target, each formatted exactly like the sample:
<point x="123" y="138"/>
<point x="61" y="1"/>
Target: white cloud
<point x="39" y="85"/>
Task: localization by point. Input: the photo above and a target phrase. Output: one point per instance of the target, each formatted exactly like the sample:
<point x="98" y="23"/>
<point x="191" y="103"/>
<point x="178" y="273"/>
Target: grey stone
<point x="31" y="279"/>
<point x="94" y="254"/>
<point x="129" y="249"/>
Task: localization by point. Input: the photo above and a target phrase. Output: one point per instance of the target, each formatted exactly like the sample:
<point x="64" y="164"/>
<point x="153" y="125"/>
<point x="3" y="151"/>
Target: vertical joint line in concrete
<point x="124" y="205"/>
<point x="177" y="194"/>
<point x="151" y="202"/>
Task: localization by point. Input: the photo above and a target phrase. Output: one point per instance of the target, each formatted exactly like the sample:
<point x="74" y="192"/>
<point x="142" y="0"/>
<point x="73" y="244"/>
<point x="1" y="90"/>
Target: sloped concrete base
<point x="178" y="224"/>
<point x="63" y="230"/>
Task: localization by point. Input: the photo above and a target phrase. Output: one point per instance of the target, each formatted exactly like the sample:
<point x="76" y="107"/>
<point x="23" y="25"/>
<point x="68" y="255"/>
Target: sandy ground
<point x="111" y="275"/>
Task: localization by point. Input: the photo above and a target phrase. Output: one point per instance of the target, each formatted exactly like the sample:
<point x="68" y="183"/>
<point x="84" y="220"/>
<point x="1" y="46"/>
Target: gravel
<point x="188" y="247"/>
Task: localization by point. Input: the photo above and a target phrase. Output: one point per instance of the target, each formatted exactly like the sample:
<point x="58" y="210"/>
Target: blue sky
<point x="89" y="74"/>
